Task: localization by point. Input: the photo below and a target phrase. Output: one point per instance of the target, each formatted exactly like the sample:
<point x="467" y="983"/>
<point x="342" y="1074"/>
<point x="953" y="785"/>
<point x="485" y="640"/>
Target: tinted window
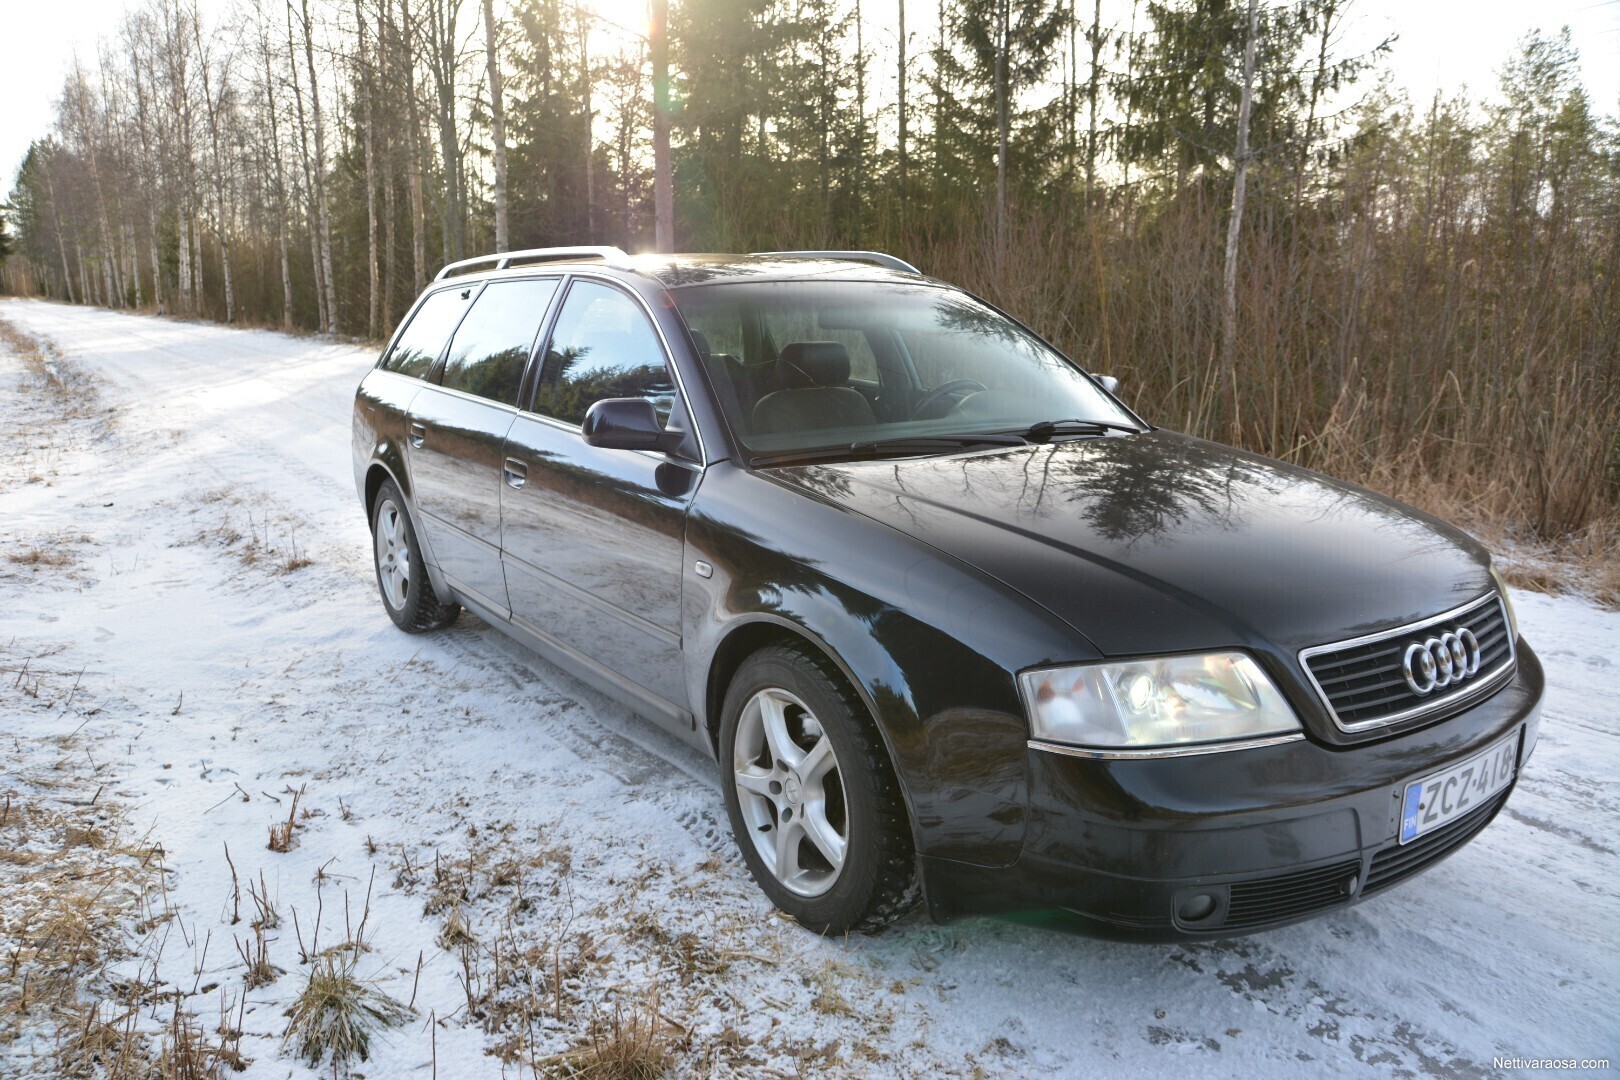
<point x="603" y="347"/>
<point x="493" y="343"/>
<point x="419" y="345"/>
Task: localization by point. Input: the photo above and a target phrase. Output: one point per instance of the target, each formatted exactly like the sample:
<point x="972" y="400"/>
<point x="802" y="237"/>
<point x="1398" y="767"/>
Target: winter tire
<point x="401" y="577"/>
<point x="813" y="799"/>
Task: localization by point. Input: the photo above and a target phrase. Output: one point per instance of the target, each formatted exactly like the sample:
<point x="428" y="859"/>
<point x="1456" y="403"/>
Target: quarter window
<point x="603" y="347"/>
<point x="418" y="346"/>
<point x="492" y="345"/>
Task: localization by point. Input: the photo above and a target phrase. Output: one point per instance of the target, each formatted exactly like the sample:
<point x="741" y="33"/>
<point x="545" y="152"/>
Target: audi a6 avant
<point x="952" y="620"/>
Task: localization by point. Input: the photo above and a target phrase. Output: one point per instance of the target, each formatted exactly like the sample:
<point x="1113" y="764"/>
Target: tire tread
<point x="897" y="887"/>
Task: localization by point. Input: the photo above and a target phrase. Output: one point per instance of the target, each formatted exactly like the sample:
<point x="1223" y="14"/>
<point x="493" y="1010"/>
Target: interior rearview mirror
<point x="1109" y="383"/>
<point x="627" y="424"/>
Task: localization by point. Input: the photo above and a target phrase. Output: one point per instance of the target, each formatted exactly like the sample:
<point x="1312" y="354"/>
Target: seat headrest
<point x="813" y="363"/>
<point x="702" y="342"/>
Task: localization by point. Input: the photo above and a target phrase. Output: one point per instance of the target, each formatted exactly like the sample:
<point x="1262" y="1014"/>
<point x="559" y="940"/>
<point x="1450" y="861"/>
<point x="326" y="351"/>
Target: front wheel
<point x="401" y="577"/>
<point x="813" y="799"/>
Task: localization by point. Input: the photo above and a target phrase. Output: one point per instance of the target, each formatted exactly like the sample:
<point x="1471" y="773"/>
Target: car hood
<point x="1160" y="542"/>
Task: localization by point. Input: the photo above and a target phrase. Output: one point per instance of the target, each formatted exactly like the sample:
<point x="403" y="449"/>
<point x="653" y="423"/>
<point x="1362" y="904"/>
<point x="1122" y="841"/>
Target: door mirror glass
<point x="627" y="424"/>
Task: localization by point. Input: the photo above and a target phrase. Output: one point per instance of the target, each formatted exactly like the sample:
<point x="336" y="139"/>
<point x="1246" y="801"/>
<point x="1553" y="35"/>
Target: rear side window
<point x="419" y="345"/>
<point x="493" y="343"/>
<point x="602" y="347"/>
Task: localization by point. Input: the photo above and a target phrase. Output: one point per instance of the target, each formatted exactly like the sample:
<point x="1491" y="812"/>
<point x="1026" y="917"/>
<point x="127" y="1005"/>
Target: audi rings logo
<point x="1440" y="661"/>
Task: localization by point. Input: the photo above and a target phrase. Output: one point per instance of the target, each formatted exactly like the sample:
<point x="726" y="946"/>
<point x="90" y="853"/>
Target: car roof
<point x="679" y="271"/>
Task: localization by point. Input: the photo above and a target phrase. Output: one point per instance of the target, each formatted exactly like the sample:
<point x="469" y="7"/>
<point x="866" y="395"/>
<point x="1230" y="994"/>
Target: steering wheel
<point x="955" y="386"/>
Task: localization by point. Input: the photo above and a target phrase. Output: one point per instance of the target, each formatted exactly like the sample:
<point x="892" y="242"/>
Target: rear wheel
<point x="401" y="578"/>
<point x="813" y="799"/>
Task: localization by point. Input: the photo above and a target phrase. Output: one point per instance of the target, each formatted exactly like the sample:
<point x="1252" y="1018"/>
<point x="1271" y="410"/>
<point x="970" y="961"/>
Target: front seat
<point x="816" y="392"/>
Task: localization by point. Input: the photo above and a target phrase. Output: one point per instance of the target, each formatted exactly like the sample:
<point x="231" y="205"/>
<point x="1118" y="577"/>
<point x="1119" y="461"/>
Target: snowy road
<point x="541" y="856"/>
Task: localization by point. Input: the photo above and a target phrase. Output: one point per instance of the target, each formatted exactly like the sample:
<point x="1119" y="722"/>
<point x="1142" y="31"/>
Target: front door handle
<point x="418" y="433"/>
<point x="515" y="472"/>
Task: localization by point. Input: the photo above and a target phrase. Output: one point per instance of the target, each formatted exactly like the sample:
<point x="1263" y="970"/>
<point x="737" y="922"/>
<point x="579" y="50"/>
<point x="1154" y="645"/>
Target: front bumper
<point x="1268" y="835"/>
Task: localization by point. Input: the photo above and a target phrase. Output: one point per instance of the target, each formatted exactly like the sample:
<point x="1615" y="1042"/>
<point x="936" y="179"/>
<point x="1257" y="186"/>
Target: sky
<point x="1443" y="45"/>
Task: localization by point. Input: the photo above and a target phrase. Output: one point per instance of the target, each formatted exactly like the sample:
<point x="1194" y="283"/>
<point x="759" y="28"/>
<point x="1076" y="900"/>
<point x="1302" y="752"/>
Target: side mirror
<point x="1108" y="382"/>
<point x="627" y="424"/>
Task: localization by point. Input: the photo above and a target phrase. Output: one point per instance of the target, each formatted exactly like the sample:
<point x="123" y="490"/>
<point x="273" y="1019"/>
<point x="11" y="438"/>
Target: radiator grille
<point x="1362" y="683"/>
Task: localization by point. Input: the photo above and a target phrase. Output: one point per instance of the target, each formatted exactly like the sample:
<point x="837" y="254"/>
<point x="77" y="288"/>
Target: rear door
<point x="592" y="539"/>
<point x="456" y="430"/>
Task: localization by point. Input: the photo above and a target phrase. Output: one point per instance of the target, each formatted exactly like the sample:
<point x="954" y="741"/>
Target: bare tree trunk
<point x="221" y="223"/>
<point x="497" y="125"/>
<point x="1234" y="225"/>
<point x="61" y="243"/>
<point x="1096" y="40"/>
<point x="860" y="122"/>
<point x="367" y="120"/>
<point x="902" y="115"/>
<point x="310" y="214"/>
<point x="133" y="253"/>
<point x="187" y="287"/>
<point x="663" y="180"/>
<point x="1002" y="19"/>
<point x="414" y="149"/>
<point x="442" y="63"/>
<point x="157" y="260"/>
<point x="84" y="275"/>
<point x="320" y="176"/>
<point x="1318" y="85"/>
<point x="590" y="134"/>
<point x="280" y="179"/>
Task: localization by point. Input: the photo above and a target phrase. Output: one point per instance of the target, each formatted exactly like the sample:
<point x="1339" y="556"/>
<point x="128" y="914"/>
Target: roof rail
<point x="876" y="257"/>
<point x="533" y="255"/>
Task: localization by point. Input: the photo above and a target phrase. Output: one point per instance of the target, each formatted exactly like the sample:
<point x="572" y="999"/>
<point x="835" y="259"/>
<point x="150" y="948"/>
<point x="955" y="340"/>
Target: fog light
<point x="1196" y="908"/>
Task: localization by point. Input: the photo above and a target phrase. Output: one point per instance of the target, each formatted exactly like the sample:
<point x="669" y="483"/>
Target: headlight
<point x="1507" y="602"/>
<point x="1171" y="701"/>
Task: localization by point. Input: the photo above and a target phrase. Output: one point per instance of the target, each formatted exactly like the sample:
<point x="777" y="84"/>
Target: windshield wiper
<point x="902" y="444"/>
<point x="1047" y="428"/>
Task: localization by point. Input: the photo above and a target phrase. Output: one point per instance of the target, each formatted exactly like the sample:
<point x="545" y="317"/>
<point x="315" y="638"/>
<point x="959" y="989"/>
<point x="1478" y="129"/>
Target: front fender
<point x="930" y="645"/>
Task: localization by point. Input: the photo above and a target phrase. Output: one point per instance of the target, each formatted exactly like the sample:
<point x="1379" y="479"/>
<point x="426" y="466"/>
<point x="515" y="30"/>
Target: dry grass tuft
<point x="337" y="1013"/>
<point x="631" y="1043"/>
<point x="283" y="836"/>
<point x="39" y="556"/>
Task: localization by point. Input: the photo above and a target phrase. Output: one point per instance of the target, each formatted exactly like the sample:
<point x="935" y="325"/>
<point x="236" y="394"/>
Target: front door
<point x="593" y="539"/>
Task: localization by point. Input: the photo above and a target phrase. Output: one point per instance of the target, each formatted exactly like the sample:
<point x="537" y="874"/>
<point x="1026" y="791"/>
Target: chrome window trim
<point x="1479" y="686"/>
<point x="1149" y="753"/>
<point x="669" y="361"/>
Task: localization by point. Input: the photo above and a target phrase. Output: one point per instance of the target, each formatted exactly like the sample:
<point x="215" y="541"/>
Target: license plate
<point x="1434" y="801"/>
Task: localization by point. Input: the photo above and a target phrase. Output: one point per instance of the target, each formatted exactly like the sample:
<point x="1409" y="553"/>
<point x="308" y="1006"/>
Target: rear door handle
<point x="515" y="472"/>
<point x="418" y="433"/>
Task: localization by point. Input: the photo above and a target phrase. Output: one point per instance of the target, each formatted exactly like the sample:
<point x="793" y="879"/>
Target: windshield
<point x="802" y="365"/>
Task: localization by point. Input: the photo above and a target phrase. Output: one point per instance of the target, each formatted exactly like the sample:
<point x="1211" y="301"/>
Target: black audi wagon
<point x="953" y="620"/>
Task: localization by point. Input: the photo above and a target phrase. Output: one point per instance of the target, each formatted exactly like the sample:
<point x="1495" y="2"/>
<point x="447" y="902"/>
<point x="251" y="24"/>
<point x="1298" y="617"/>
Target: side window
<point x="419" y="345"/>
<point x="602" y="347"/>
<point x="493" y="343"/>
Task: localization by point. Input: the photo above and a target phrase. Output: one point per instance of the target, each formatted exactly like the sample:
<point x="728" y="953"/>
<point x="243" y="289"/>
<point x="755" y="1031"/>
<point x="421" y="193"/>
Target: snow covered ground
<point x="185" y="551"/>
